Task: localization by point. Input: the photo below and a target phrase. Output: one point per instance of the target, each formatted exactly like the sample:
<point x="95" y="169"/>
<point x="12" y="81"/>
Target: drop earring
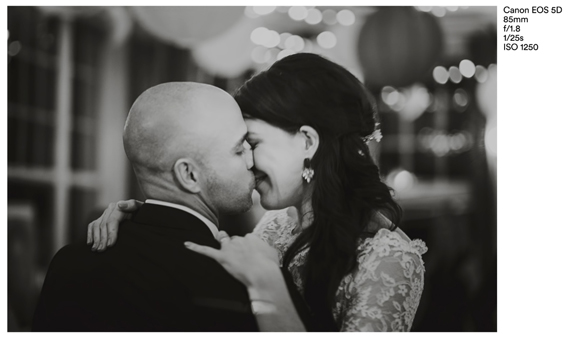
<point x="308" y="172"/>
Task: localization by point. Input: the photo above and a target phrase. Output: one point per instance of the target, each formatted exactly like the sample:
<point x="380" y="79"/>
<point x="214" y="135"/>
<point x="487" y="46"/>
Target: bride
<point x="333" y="222"/>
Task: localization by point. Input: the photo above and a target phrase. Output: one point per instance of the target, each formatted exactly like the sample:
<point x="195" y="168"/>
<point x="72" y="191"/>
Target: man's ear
<point x="311" y="140"/>
<point x="187" y="173"/>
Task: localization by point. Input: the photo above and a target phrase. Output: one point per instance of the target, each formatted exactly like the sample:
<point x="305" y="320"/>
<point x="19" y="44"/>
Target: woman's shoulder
<point x="398" y="241"/>
<point x="391" y="245"/>
<point x="395" y="240"/>
<point x="389" y="258"/>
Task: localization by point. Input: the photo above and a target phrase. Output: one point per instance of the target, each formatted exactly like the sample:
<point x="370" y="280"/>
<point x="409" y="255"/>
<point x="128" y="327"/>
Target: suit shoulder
<point x="71" y="255"/>
<point x="73" y="250"/>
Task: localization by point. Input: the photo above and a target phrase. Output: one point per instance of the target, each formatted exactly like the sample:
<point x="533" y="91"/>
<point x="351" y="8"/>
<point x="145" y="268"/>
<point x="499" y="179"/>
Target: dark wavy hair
<point x="307" y="89"/>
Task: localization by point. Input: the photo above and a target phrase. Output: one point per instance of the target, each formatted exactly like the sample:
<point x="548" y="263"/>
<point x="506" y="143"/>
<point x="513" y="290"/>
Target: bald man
<point x="185" y="142"/>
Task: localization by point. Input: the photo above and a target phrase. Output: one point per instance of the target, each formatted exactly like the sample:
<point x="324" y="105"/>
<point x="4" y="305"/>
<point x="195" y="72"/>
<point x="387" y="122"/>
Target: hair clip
<point x="376" y="134"/>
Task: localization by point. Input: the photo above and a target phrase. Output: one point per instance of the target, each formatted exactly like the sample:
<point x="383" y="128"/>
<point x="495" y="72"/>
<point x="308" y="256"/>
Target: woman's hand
<point x="248" y="258"/>
<point x="256" y="264"/>
<point x="103" y="231"/>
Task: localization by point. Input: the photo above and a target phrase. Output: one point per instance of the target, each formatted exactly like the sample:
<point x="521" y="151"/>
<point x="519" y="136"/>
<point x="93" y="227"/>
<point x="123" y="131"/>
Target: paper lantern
<point x="398" y="46"/>
<point x="344" y="52"/>
<point x="187" y="26"/>
<point x="228" y="54"/>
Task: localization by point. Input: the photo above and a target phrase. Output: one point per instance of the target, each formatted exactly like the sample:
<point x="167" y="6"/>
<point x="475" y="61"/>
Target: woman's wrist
<point x="262" y="286"/>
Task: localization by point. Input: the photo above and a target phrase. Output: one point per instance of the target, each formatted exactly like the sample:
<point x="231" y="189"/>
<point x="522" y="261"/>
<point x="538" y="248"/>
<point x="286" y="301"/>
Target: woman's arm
<point x="256" y="264"/>
<point x="385" y="291"/>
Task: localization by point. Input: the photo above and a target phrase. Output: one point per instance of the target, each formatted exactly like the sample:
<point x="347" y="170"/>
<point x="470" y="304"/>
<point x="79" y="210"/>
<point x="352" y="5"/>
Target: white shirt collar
<point x="213" y="228"/>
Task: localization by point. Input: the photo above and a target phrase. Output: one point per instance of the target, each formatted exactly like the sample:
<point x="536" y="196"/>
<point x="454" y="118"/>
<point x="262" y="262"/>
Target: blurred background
<point x="73" y="73"/>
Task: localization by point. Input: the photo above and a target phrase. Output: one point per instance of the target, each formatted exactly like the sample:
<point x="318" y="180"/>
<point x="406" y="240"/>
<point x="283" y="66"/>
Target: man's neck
<point x="163" y="190"/>
<point x="213" y="227"/>
<point x="201" y="208"/>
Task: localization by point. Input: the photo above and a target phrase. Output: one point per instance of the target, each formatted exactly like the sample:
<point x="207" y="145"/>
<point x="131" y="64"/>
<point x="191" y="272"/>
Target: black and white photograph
<point x="253" y="168"/>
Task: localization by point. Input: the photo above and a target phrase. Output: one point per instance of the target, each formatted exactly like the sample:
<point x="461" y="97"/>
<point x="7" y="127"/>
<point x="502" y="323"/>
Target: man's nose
<point x="249" y="159"/>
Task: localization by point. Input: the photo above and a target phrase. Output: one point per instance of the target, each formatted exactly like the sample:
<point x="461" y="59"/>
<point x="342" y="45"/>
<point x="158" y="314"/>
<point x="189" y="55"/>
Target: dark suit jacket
<point x="148" y="281"/>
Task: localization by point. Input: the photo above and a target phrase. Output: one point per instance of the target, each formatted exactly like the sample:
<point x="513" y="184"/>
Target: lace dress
<point x="383" y="292"/>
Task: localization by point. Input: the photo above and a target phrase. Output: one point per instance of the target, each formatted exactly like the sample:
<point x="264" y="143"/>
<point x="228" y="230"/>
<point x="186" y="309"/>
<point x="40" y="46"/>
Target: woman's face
<point x="278" y="164"/>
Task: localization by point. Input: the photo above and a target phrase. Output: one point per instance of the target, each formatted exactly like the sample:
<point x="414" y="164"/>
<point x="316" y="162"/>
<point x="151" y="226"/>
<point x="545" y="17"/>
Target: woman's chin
<point x="266" y="202"/>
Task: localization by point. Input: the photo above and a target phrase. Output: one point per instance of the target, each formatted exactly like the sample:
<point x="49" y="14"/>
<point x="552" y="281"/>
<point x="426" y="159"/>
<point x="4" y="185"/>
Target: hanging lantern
<point x="228" y="54"/>
<point x="186" y="26"/>
<point x="398" y="46"/>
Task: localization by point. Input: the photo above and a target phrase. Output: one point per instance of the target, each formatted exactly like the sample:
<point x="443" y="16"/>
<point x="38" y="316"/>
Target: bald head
<point x="174" y="120"/>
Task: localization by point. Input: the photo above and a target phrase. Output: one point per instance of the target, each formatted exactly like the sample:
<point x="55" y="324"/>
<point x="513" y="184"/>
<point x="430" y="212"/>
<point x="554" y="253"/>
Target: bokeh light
<point x="314" y="16"/>
<point x="440" y="145"/>
<point x="467" y="68"/>
<point x="481" y="74"/>
<point x="258" y="55"/>
<point x="283" y="38"/>
<point x="390" y="95"/>
<point x="461" y="98"/>
<point x="438" y="11"/>
<point x="455" y="75"/>
<point x="403" y="181"/>
<point x="423" y="8"/>
<point x="457" y="141"/>
<point x="248" y="11"/>
<point x="298" y="13"/>
<point x="258" y="35"/>
<point x="295" y="43"/>
<point x="440" y="75"/>
<point x="271" y="39"/>
<point x="329" y="17"/>
<point x="345" y="17"/>
<point x="326" y="40"/>
<point x="14" y="48"/>
<point x="271" y="55"/>
<point x="284" y="53"/>
<point x="263" y="10"/>
<point x="416" y="99"/>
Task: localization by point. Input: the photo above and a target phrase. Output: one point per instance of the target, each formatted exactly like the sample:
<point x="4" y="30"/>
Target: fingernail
<point x="189" y="245"/>
<point x="122" y="204"/>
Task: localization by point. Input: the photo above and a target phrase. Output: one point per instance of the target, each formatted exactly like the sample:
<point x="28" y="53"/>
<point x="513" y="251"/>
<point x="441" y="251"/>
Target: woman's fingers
<point x="96" y="235"/>
<point x="129" y="205"/>
<point x="113" y="220"/>
<point x="205" y="250"/>
<point x="90" y="231"/>
<point x="97" y="228"/>
<point x="223" y="237"/>
<point x="103" y="241"/>
<point x="112" y="232"/>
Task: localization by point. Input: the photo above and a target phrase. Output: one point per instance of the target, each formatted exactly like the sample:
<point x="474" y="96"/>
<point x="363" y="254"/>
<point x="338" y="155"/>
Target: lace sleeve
<point x="385" y="292"/>
<point x="268" y="226"/>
